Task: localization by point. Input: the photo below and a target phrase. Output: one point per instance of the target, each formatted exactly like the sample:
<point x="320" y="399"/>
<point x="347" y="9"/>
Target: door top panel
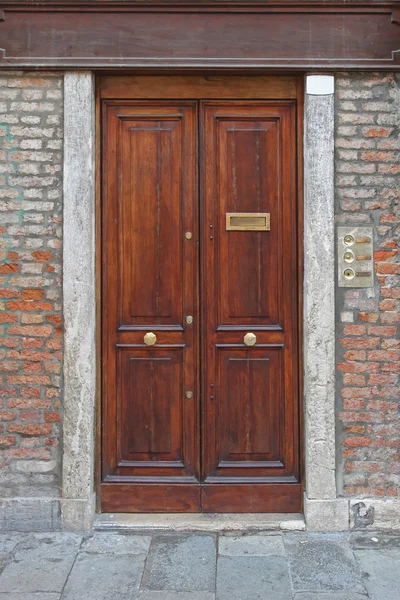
<point x="199" y="87"/>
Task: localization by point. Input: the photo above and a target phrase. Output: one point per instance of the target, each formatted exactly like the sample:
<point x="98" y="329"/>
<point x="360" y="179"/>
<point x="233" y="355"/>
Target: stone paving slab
<point x="8" y="542"/>
<point x="381" y="573"/>
<point x="251" y="545"/>
<point x="322" y="564"/>
<point x="330" y="596"/>
<point x="184" y="563"/>
<point x="30" y="596"/>
<point x="105" y="543"/>
<point x="104" y="577"/>
<point x="253" y="578"/>
<point x="374" y="541"/>
<point x="147" y="595"/>
<point x="42" y="563"/>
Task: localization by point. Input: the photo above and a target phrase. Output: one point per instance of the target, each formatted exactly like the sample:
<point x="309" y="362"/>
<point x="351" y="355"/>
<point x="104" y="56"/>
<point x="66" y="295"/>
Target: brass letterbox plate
<point x="247" y="221"/>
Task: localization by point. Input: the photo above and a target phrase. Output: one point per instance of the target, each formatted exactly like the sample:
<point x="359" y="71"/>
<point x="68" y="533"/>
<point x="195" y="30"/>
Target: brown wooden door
<point x="194" y="419"/>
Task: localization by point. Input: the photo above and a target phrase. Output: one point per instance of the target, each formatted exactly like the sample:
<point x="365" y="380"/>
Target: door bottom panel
<point x="187" y="498"/>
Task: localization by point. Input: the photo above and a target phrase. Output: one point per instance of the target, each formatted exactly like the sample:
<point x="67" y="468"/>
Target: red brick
<point x="21" y="379"/>
<point x="28" y="453"/>
<point x="391" y="292"/>
<point x="31" y="429"/>
<point x="42" y="255"/>
<point x="377" y="132"/>
<point x="7" y="440"/>
<point x="381" y="330"/>
<point x="32" y="367"/>
<point x="382" y="379"/>
<point x="28" y="403"/>
<point x="32" y="294"/>
<point x="359" y="367"/>
<point x="392" y="317"/>
<point x="30" y="415"/>
<point x="388" y="343"/>
<point x="363" y="441"/>
<point x="384" y="355"/>
<point x="53" y="417"/>
<point x="51" y="441"/>
<point x="359" y="342"/>
<point x="368" y="317"/>
<point x="56" y="319"/>
<point x="32" y="343"/>
<point x="354" y="329"/>
<point x="7" y="415"/>
<point x="7" y="318"/>
<point x="360" y="392"/>
<point x="28" y="305"/>
<point x="382" y="405"/>
<point x="31" y="331"/>
<point x="382" y="255"/>
<point x="388" y="304"/>
<point x="9" y="268"/>
<point x="352" y="379"/>
<point x="8" y="366"/>
<point x="355" y="355"/>
<point x="352" y="429"/>
<point x="353" y="404"/>
<point x="30" y="392"/>
<point x="9" y="293"/>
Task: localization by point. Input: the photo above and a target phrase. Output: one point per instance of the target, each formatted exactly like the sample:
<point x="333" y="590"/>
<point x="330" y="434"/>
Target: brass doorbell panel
<point x="355" y="256"/>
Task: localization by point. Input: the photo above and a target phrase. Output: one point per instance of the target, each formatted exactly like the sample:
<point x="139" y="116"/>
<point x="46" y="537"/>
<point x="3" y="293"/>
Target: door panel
<point x="249" y="421"/>
<point x="150" y="284"/>
<point x="248" y="181"/>
<point x="151" y="256"/>
<point x="249" y="280"/>
<point x="165" y="448"/>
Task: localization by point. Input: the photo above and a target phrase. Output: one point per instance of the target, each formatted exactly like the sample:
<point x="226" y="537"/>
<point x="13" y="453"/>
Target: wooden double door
<point x="200" y="289"/>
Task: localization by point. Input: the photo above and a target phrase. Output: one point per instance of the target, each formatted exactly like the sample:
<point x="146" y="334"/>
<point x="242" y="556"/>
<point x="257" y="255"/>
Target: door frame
<point x="81" y="372"/>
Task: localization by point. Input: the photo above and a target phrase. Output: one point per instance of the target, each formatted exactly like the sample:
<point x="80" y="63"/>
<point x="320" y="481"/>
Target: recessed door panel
<point x="250" y="407"/>
<point x="151" y="211"/>
<point x="249" y="182"/>
<point x="151" y="410"/>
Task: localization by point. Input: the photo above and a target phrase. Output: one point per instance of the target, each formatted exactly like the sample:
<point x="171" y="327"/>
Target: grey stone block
<point x="104" y="577"/>
<point x="41" y="563"/>
<point x="380" y="572"/>
<point x="374" y="541"/>
<point x="181" y="563"/>
<point x="147" y="595"/>
<point x="251" y="545"/>
<point x="30" y="596"/>
<point x="30" y="514"/>
<point x="330" y="596"/>
<point x="8" y="541"/>
<point x="253" y="578"/>
<point x="322" y="564"/>
<point x="103" y="543"/>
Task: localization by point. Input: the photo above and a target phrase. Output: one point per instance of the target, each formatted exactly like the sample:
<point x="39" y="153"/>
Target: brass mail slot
<point x="247" y="221"/>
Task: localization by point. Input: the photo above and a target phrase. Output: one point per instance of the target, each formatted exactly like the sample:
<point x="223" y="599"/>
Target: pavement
<point x="172" y="566"/>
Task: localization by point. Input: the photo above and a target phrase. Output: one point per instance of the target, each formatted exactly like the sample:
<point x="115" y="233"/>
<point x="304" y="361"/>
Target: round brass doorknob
<point x="150" y="339"/>
<point x="250" y="339"/>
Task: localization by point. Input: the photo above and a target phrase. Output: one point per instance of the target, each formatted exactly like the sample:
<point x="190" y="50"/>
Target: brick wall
<point x="368" y="191"/>
<point x="30" y="285"/>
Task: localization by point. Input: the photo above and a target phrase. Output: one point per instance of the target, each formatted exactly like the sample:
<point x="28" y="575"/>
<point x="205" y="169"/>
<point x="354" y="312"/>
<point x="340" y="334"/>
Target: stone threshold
<point x="195" y="522"/>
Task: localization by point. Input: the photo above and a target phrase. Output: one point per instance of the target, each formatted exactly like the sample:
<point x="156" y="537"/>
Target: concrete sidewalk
<point x="281" y="566"/>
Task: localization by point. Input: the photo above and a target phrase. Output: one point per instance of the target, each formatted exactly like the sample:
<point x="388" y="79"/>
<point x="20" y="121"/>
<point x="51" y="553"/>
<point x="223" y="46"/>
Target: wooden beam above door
<point x="281" y="35"/>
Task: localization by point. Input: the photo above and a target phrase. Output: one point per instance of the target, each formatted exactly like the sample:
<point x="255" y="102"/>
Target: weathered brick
<point x="369" y="373"/>
<point x="31" y="429"/>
